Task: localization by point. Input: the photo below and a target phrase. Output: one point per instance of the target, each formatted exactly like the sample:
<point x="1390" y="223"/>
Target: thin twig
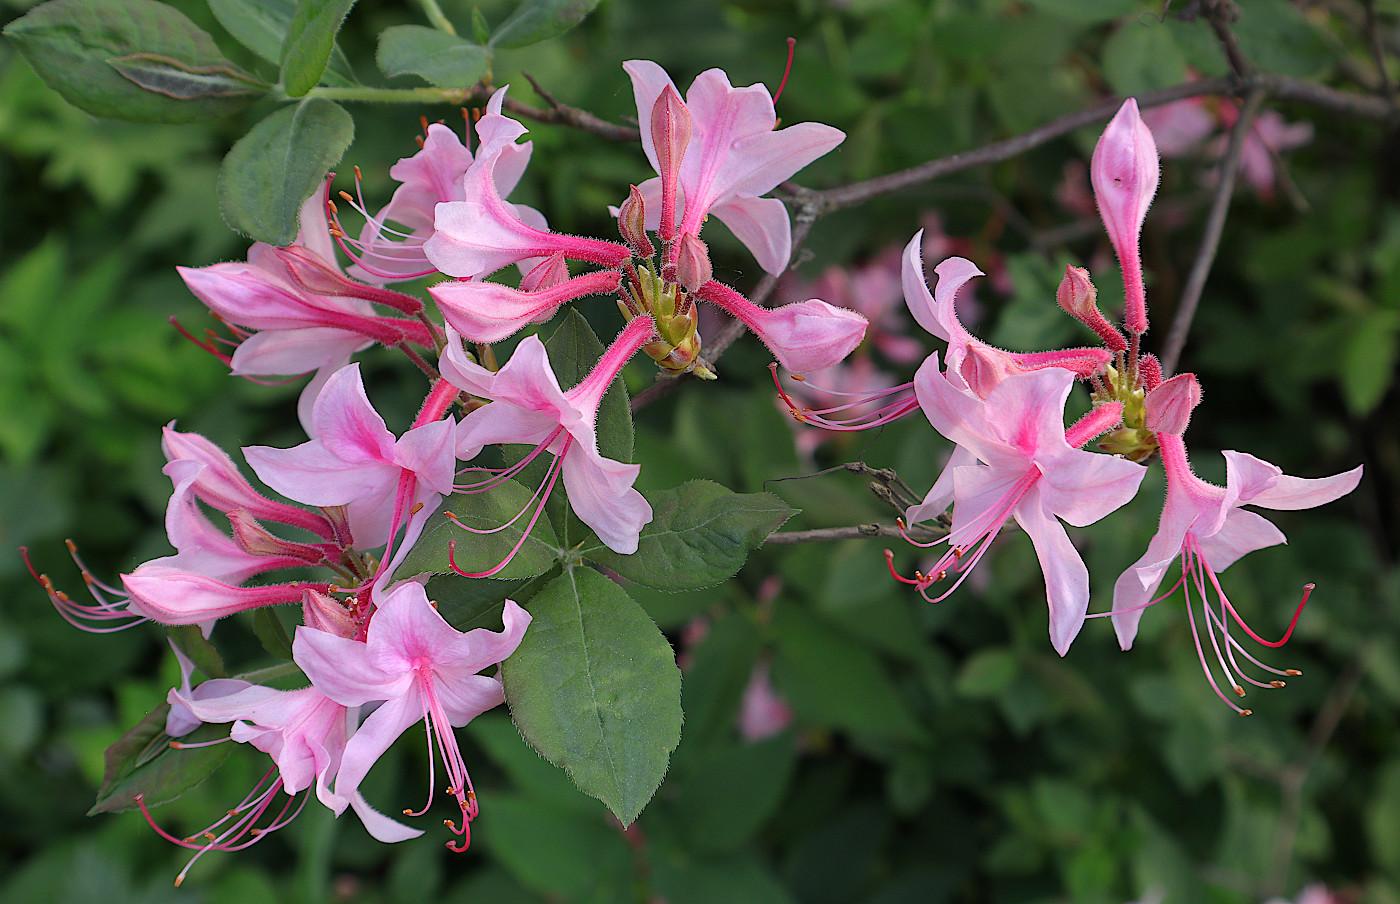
<point x="1221" y="14"/>
<point x="562" y="114"/>
<point x="1210" y="239"/>
<point x="824" y="534"/>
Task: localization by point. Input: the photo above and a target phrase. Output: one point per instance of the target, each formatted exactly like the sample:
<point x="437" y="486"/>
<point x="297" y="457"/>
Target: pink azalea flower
<point x="420" y="669"/>
<point x="762" y="710"/>
<point x="733" y="155"/>
<point x="1020" y="462"/>
<point x="971" y="362"/>
<point x="303" y="312"/>
<point x="436" y="175"/>
<point x="1206" y="528"/>
<point x="353" y="460"/>
<point x="527" y="406"/>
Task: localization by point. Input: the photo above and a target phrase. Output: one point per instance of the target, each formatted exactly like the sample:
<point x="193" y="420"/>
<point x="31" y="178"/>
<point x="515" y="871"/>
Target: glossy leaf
<point x="142" y="762"/>
<point x="442" y="59"/>
<point x="272" y="634"/>
<point x="573" y="350"/>
<point x="71" y="44"/>
<point x="262" y="26"/>
<point x="310" y="41"/>
<point x="273" y="169"/>
<point x="481" y="552"/>
<point x="595" y="689"/>
<point x="700" y="534"/>
<point x="539" y="20"/>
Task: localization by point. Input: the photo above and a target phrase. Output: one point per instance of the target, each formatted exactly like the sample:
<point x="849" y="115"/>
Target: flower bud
<point x="1124" y="172"/>
<point x="693" y="267"/>
<point x="549" y="273"/>
<point x="1169" y="406"/>
<point x="1078" y="297"/>
<point x="670" y="135"/>
<point x="256" y="540"/>
<point x="326" y="613"/>
<point x="632" y="223"/>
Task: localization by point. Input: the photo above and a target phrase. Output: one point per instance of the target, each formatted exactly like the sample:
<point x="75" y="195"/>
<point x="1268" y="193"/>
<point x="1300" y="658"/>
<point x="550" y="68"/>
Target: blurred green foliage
<point x="937" y="753"/>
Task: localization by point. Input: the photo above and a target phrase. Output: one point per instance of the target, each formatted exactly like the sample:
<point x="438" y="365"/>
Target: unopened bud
<point x="632" y="223"/>
<point x="326" y="613"/>
<point x="984" y="367"/>
<point x="256" y="540"/>
<point x="1124" y="171"/>
<point x="1169" y="406"/>
<point x="547" y="274"/>
<point x="676" y="350"/>
<point x="670" y="136"/>
<point x="1078" y="297"/>
<point x="693" y="267"/>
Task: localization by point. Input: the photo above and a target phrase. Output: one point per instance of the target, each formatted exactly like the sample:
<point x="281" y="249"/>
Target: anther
<point x="417" y="507"/>
<point x="1246" y="712"/>
<point x="449" y="515"/>
<point x="1239" y="691"/>
<point x="1277" y="683"/>
<point x="798" y="377"/>
<point x="1293" y="673"/>
<point x="347" y="197"/>
<point x="358" y="177"/>
<point x="406" y="810"/>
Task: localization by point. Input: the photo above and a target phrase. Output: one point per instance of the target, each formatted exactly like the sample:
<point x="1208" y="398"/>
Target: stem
<point x="822" y="534"/>
<point x="436" y="16"/>
<point x="455" y="96"/>
<point x="1210" y="240"/>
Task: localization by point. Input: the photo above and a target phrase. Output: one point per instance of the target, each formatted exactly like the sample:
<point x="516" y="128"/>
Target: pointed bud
<point x="1078" y="297"/>
<point x="1124" y="172"/>
<point x="256" y="540"/>
<point x="1150" y="372"/>
<point x="326" y="613"/>
<point x="693" y="267"/>
<point x="670" y="135"/>
<point x="632" y="223"/>
<point x="1169" y="406"/>
<point x="549" y="273"/>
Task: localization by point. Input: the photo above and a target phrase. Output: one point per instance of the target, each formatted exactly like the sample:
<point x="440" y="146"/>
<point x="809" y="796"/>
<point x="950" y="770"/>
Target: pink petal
<point x="343" y="670"/>
<point x="1066" y="577"/>
<point x="601" y="493"/>
<point x="379" y="826"/>
<point x="762" y="225"/>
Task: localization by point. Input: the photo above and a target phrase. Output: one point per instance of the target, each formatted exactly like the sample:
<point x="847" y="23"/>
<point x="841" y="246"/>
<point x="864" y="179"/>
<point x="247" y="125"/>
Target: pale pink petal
<point x="1251" y="475"/>
<point x="374" y="736"/>
<point x="1242" y="533"/>
<point x="601" y="493"/>
<point x="489" y="312"/>
<point x="1066" y="577"/>
<point x="379" y="826"/>
<point x="342" y="668"/>
<point x="762" y="225"/>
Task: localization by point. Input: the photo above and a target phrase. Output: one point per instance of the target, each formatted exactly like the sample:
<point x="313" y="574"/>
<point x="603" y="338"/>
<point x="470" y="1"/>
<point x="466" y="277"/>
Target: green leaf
<point x="528" y="771"/>
<point x="562" y="854"/>
<point x="988" y="673"/>
<point x="198" y="649"/>
<point x="1368" y="361"/>
<point x="310" y="41"/>
<point x="1142" y="56"/>
<point x="724" y="795"/>
<point x="481" y="552"/>
<point x="700" y="534"/>
<point x="444" y="60"/>
<point x="481" y="31"/>
<point x="1277" y="37"/>
<point x="173" y="78"/>
<point x="262" y="26"/>
<point x="539" y="20"/>
<point x="273" y="169"/>
<point x="72" y="43"/>
<point x="595" y="689"/>
<point x="831" y="679"/>
<point x="466" y="603"/>
<point x="271" y="633"/>
<point x="142" y="762"/>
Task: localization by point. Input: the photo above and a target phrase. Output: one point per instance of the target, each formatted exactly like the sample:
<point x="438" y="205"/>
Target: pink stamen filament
<point x="815" y="416"/>
<point x="438" y="727"/>
<point x="553" y="474"/>
<point x="501" y="475"/>
<point x="82" y="616"/>
<point x="787" y="69"/>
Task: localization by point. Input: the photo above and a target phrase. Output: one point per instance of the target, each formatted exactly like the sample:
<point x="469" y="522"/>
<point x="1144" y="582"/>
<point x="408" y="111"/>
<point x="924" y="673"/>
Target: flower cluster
<point x="1015" y="459"/>
<point x="378" y="655"/>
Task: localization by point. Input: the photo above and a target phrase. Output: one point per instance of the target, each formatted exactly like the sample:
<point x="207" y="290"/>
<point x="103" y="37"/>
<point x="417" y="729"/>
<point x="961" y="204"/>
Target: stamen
<point x="552" y="475"/>
<point x="792" y="44"/>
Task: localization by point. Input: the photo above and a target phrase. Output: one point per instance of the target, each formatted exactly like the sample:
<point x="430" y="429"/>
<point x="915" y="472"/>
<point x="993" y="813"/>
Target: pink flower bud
<point x="670" y="135"/>
<point x="256" y="540"/>
<point x="1078" y="297"/>
<point x="326" y="613"/>
<point x="549" y="273"/>
<point x="693" y="267"/>
<point x="1124" y="172"/>
<point x="632" y="223"/>
<point x="1169" y="406"/>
